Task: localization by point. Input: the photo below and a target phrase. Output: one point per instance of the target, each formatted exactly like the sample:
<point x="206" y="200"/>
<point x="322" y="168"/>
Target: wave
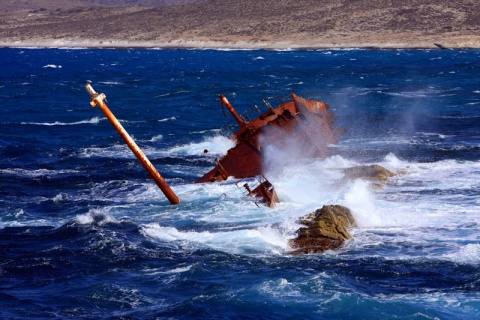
<point x="468" y="254"/>
<point x="210" y="146"/>
<point x="217" y="145"/>
<point x="407" y="94"/>
<point x="263" y="240"/>
<point x="36" y="172"/>
<point x="119" y="151"/>
<point x="94" y="120"/>
<point x="168" y="119"/>
<point x="156" y="138"/>
<point x="172" y="93"/>
<point x="110" y="82"/>
<point x="95" y="217"/>
<point x="52" y="66"/>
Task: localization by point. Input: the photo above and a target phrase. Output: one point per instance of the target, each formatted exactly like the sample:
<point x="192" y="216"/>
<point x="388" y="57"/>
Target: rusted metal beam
<point x="99" y="100"/>
<point x="232" y="110"/>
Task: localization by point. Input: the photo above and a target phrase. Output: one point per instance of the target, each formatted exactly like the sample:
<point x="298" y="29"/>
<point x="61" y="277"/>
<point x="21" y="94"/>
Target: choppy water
<point x="84" y="234"/>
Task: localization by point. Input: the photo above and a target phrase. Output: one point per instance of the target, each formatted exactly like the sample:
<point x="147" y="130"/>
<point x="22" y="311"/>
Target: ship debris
<point x="100" y="101"/>
<point x="262" y="190"/>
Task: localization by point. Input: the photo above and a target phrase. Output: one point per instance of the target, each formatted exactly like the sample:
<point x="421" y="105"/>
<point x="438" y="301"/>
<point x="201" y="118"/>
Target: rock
<point x="372" y="173"/>
<point x="325" y="229"/>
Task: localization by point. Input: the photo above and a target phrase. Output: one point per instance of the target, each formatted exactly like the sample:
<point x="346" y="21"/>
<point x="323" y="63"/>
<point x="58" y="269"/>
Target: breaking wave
<point x="94" y="120"/>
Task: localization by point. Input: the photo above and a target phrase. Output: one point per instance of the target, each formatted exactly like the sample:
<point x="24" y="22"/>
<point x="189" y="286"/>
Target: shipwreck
<point x="310" y="120"/>
<point x="311" y="123"/>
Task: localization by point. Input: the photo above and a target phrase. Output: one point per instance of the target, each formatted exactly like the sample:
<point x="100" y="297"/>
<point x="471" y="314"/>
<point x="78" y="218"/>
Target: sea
<point x="84" y="234"/>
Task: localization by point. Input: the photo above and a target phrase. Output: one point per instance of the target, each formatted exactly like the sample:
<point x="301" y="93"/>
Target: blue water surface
<point x="85" y="235"/>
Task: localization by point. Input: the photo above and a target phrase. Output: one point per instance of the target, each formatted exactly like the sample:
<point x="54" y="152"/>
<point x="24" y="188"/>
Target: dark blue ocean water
<point x="85" y="235"/>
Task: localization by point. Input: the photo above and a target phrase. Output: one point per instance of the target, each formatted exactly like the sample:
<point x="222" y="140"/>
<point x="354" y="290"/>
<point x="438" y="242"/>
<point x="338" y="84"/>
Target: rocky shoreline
<point x="248" y="24"/>
<point x="427" y="44"/>
<point x="243" y="45"/>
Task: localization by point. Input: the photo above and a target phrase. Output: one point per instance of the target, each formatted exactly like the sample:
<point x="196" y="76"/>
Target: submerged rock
<point x="372" y="173"/>
<point x="325" y="229"/>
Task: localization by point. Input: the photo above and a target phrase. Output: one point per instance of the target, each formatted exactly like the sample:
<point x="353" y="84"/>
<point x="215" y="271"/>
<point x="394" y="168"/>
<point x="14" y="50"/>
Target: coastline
<point x="237" y="45"/>
<point x="245" y="25"/>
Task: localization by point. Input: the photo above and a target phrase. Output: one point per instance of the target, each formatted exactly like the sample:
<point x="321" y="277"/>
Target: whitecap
<point x="94" y="216"/>
<point x="110" y="82"/>
<point x="59" y="197"/>
<point x="244" y="241"/>
<point x="52" y="66"/>
<point x="172" y="93"/>
<point x="36" y="172"/>
<point x="280" y="289"/>
<point x="469" y="254"/>
<point x="168" y="119"/>
<point x="408" y="94"/>
<point x="19" y="213"/>
<point x="94" y="120"/>
<point x="217" y="145"/>
<point x="156" y="138"/>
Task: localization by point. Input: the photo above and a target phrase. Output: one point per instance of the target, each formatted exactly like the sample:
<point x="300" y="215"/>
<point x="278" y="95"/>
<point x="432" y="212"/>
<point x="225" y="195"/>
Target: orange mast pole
<point x="232" y="110"/>
<point x="99" y="100"/>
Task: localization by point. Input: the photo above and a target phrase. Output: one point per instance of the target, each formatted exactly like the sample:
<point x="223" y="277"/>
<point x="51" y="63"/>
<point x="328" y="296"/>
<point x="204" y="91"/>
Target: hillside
<point x="246" y="24"/>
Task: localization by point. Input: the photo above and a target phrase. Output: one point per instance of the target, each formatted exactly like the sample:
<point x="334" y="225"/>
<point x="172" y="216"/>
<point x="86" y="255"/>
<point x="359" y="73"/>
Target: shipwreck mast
<point x="225" y="102"/>
<point x="99" y="100"/>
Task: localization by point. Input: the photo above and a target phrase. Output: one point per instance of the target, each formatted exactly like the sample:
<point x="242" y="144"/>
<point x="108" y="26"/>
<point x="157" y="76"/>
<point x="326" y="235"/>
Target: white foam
<point x="110" y="82"/>
<point x="168" y="119"/>
<point x="245" y="241"/>
<point x="391" y="161"/>
<point x="19" y="213"/>
<point x="119" y="151"/>
<point x="359" y="198"/>
<point x="280" y="289"/>
<point x="94" y="120"/>
<point x="36" y="172"/>
<point x="156" y="138"/>
<point x="95" y="216"/>
<point x="52" y="66"/>
<point x="469" y="254"/>
<point x="217" y="145"/>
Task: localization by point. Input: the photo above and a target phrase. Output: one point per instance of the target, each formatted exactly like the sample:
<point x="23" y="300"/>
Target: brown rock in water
<point x="326" y="229"/>
<point x="372" y="173"/>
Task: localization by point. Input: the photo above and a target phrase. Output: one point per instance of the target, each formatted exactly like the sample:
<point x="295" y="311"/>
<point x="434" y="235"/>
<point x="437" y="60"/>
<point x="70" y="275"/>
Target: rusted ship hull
<point x="310" y="122"/>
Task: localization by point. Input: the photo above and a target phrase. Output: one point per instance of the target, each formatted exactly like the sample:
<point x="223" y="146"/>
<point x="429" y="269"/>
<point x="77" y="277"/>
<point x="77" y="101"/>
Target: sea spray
<point x="360" y="200"/>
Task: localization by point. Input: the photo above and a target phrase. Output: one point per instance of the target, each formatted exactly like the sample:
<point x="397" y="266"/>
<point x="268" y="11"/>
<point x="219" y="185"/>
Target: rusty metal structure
<point x="99" y="100"/>
<point x="310" y="122"/>
<point x="263" y="191"/>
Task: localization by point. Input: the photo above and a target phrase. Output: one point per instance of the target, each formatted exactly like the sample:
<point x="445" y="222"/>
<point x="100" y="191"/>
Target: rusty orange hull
<point x="310" y="121"/>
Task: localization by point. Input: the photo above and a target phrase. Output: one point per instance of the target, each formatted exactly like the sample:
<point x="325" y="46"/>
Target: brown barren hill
<point x="275" y="24"/>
